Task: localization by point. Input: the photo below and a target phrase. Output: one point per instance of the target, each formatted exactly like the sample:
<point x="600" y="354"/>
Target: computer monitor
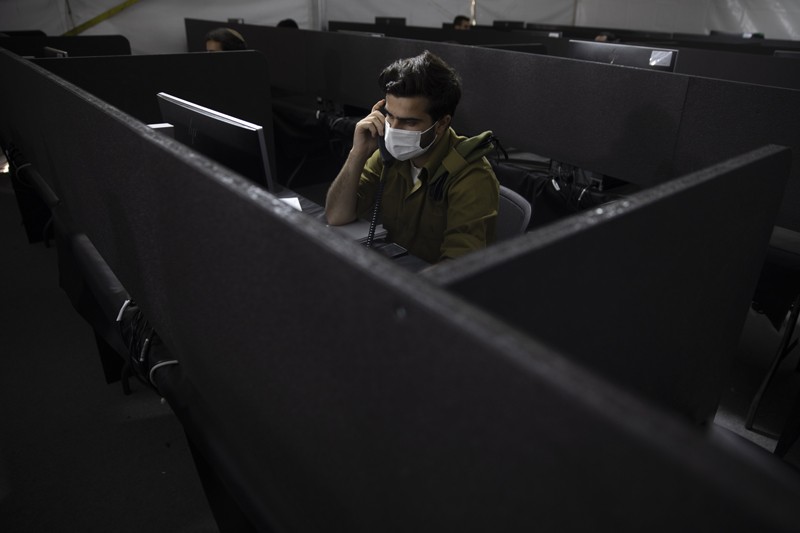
<point x="362" y="33"/>
<point x="391" y="21"/>
<point x="49" y="51"/>
<point x="232" y="142"/>
<point x="624" y="54"/>
<point x="509" y="24"/>
<point x="744" y="35"/>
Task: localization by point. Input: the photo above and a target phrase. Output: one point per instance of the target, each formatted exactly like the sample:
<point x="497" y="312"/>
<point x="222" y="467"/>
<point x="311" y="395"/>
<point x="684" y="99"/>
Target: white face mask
<point x="405" y="144"/>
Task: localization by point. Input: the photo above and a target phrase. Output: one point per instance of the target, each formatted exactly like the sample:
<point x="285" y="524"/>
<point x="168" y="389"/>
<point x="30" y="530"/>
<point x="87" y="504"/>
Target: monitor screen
<point x="624" y="54"/>
<point x="232" y="142"/>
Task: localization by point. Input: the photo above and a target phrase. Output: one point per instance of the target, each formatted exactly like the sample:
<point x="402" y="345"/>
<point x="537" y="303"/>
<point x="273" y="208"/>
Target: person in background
<point x="461" y="23"/>
<point x="606" y="37"/>
<point x="439" y="195"/>
<point x="224" y="39"/>
<point x="288" y="23"/>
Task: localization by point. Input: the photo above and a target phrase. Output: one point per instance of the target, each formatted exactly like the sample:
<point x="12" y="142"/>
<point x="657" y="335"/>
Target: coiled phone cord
<point x="373" y="223"/>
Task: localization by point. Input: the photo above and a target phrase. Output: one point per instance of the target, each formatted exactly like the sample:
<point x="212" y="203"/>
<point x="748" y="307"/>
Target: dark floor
<point x="78" y="455"/>
<point x="755" y="352"/>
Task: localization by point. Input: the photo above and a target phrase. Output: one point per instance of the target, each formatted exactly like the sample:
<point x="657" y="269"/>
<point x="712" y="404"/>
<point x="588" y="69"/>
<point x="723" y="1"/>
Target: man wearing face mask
<point x="440" y="195"/>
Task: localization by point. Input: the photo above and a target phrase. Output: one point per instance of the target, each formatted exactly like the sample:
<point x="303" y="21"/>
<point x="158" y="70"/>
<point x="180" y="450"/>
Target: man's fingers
<point x="379" y="105"/>
<point x="372" y="124"/>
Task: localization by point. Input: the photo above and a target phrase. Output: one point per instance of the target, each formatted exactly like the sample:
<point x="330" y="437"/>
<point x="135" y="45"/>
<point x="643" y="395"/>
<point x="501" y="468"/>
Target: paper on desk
<point x="293" y="201"/>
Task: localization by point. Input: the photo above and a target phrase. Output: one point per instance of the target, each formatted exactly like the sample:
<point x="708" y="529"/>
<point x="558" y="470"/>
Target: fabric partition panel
<point x="654" y="290"/>
<point x="79" y="45"/>
<point x="435" y="34"/>
<point x="748" y="68"/>
<point x="327" y="378"/>
<point x="721" y="119"/>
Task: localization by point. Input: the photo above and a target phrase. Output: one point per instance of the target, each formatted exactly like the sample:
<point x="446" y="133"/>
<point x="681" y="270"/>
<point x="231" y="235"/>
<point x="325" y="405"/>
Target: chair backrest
<point x="513" y="214"/>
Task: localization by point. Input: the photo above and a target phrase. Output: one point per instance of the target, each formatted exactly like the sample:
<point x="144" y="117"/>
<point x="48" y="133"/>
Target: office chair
<point x="781" y="274"/>
<point x="513" y="214"/>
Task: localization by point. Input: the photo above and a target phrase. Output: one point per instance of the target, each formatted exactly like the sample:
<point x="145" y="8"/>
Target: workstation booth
<point x="535" y="384"/>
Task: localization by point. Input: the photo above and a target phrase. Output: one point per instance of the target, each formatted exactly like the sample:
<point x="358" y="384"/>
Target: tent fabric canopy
<point x="156" y="26"/>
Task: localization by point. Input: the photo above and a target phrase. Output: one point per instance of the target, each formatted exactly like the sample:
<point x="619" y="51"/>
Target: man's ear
<point x="444" y="123"/>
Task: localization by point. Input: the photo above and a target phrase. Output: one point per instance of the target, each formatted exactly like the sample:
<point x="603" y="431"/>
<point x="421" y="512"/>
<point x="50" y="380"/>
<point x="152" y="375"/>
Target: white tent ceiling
<point x="156" y="26"/>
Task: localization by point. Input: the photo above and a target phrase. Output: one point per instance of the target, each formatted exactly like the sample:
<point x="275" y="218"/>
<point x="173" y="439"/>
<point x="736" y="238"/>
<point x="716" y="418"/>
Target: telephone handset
<point x="387" y="158"/>
<point x="389" y="249"/>
<point x="388" y="161"/>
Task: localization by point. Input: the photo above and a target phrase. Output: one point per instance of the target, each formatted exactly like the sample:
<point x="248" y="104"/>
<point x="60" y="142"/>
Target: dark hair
<point x="459" y="19"/>
<point x="608" y="37"/>
<point x="424" y="75"/>
<point x="228" y="38"/>
<point x="288" y="23"/>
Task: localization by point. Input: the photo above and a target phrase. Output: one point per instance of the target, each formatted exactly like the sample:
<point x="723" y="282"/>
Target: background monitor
<point x="22" y="33"/>
<point x="394" y="21"/>
<point x="744" y="35"/>
<point x="362" y="33"/>
<point x="509" y="24"/>
<point x="49" y="51"/>
<point x="232" y="142"/>
<point x="624" y="54"/>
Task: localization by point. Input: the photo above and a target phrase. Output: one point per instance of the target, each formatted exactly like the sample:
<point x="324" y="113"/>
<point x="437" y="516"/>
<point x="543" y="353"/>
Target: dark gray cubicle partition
<point x="23" y="33"/>
<point x="475" y="38"/>
<point x="652" y="292"/>
<point x="235" y="83"/>
<point x="760" y="69"/>
<point x="726" y="43"/>
<point x="721" y="119"/>
<point x="734" y="58"/>
<point x="747" y="68"/>
<point x="75" y="46"/>
<point x="331" y="389"/>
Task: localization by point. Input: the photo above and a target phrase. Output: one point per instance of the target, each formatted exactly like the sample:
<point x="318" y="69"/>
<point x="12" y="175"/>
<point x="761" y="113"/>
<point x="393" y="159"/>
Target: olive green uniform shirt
<point x="436" y="219"/>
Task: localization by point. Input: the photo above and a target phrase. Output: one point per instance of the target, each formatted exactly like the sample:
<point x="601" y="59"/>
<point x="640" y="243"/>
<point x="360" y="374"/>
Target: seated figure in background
<point x="461" y="23"/>
<point x="224" y="39"/>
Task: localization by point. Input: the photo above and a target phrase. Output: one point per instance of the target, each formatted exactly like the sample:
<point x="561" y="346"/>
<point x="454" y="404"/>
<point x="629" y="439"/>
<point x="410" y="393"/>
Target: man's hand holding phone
<point x="368" y="130"/>
<point x="340" y="202"/>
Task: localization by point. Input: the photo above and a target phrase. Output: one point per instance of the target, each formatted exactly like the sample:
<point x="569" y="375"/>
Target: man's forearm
<point x="341" y="200"/>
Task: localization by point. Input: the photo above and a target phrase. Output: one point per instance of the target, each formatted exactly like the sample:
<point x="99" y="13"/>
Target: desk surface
<point x="357" y="230"/>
